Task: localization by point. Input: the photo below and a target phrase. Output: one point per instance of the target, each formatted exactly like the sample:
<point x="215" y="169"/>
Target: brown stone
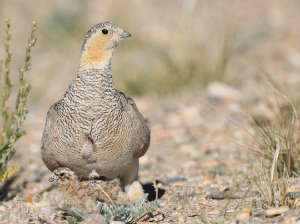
<point x="245" y="213"/>
<point x="178" y="184"/>
<point x="276" y="211"/>
<point x="290" y="220"/>
<point x="203" y="201"/>
<point x="31" y="197"/>
<point x="232" y="195"/>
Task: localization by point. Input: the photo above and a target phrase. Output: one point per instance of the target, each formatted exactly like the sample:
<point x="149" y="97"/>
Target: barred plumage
<point x="77" y="193"/>
<point x="94" y="126"/>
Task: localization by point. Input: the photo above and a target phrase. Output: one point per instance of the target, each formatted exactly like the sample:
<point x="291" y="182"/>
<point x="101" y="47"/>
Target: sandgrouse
<point x="94" y="126"/>
<point x="77" y="193"/>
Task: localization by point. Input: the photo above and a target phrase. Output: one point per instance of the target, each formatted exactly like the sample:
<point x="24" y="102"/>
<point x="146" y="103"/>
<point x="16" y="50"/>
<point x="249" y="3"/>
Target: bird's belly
<point x="109" y="170"/>
<point x="109" y="161"/>
<point x="107" y="147"/>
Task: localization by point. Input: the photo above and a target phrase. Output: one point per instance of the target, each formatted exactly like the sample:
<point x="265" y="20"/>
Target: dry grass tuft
<point x="277" y="151"/>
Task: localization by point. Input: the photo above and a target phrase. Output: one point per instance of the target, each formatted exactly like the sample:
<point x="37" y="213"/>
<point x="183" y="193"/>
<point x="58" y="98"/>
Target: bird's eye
<point x="61" y="174"/>
<point x="104" y="31"/>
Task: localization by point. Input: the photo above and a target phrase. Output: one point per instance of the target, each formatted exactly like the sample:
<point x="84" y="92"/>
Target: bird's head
<point x="63" y="175"/>
<point x="99" y="44"/>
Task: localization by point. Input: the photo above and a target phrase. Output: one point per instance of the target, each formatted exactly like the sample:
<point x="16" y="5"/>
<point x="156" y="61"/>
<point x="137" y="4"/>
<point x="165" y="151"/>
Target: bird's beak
<point x="51" y="179"/>
<point x="125" y="34"/>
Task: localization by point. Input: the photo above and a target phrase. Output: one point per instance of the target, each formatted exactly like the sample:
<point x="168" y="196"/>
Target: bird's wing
<point x="141" y="128"/>
<point x="49" y="139"/>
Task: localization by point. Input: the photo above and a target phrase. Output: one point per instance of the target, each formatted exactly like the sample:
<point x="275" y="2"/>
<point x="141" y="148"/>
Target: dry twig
<point x="105" y="194"/>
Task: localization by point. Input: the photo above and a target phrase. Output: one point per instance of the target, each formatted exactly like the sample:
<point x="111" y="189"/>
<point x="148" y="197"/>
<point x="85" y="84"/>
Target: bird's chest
<point x="112" y="140"/>
<point x="111" y="126"/>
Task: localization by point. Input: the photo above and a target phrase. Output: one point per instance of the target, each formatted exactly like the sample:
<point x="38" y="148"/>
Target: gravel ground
<point x="193" y="149"/>
<point x="194" y="154"/>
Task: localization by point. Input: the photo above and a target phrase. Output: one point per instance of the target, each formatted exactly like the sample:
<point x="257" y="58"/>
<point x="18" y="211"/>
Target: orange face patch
<point x="96" y="52"/>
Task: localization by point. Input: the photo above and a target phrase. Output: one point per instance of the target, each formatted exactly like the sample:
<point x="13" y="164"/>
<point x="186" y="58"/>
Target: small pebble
<point x="233" y="195"/>
<point x="203" y="201"/>
<point x="276" y="211"/>
<point x="226" y="188"/>
<point x="246" y="212"/>
<point x="294" y="195"/>
<point x="176" y="180"/>
<point x="291" y="220"/>
<point x="181" y="220"/>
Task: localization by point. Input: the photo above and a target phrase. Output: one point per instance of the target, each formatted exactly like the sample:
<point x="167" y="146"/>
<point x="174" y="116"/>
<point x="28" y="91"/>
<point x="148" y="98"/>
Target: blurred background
<point x="178" y="51"/>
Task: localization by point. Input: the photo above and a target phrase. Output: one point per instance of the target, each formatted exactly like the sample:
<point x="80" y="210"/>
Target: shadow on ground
<point x="149" y="189"/>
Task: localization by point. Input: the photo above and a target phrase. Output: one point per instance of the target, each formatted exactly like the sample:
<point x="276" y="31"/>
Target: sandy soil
<point x="195" y="131"/>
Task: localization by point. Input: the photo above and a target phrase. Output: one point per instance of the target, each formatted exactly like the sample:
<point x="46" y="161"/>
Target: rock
<point x="31" y="198"/>
<point x="216" y="171"/>
<point x="276" y="211"/>
<point x="176" y="180"/>
<point x="191" y="115"/>
<point x="295" y="187"/>
<point x="213" y="190"/>
<point x="203" y="201"/>
<point x="180" y="207"/>
<point x="291" y="220"/>
<point x="225" y="188"/>
<point x="181" y="220"/>
<point x="245" y="213"/>
<point x="232" y="195"/>
<point x="220" y="92"/>
<point x="294" y="195"/>
<point x="2" y="208"/>
<point x="178" y="184"/>
<point x="217" y="195"/>
<point x="206" y="182"/>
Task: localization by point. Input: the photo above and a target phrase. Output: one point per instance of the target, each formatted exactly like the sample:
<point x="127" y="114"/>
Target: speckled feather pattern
<point x="94" y="126"/>
<point x="78" y="193"/>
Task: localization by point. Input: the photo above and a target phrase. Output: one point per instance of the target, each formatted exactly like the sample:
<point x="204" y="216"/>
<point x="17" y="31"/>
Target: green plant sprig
<point x="8" y="84"/>
<point x="10" y="127"/>
<point x="20" y="109"/>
